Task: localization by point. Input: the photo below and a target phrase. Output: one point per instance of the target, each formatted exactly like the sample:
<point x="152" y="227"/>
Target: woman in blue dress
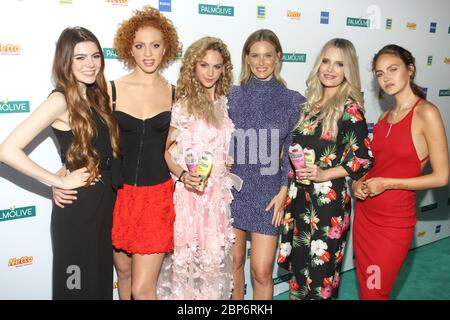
<point x="264" y="112"/>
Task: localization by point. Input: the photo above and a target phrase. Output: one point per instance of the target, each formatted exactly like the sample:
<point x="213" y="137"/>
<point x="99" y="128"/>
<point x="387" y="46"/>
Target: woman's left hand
<point x="278" y="203"/>
<point x="313" y="173"/>
<point x="374" y="186"/>
<point x="229" y="164"/>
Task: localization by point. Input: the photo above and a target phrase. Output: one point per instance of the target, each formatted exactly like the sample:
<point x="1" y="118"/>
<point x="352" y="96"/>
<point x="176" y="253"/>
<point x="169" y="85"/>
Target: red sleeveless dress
<point x="384" y="225"/>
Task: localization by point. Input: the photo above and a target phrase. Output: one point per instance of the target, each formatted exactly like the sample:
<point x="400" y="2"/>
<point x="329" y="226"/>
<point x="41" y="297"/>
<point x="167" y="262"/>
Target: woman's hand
<point x="61" y="196"/>
<point x="359" y="189"/>
<point x="278" y="203"/>
<point x="375" y="186"/>
<point x="313" y="173"/>
<point x="191" y="180"/>
<point x="75" y="179"/>
<point x="229" y="164"/>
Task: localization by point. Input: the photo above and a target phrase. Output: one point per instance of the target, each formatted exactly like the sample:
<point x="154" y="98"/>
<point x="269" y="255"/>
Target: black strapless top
<point x="142" y="144"/>
<point x="101" y="142"/>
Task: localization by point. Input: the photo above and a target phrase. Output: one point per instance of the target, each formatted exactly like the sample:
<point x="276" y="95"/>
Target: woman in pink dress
<point x="200" y="267"/>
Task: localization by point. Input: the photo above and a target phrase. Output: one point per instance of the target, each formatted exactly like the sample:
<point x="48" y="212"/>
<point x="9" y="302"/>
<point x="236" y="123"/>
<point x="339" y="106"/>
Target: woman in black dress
<point x="79" y="114"/>
<point x="317" y="219"/>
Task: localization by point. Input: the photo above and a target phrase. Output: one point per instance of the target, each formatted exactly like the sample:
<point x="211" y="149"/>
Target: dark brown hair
<point x="81" y="152"/>
<point x="407" y="59"/>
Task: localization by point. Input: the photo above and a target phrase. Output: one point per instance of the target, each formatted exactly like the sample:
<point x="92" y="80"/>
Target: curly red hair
<point x="147" y="17"/>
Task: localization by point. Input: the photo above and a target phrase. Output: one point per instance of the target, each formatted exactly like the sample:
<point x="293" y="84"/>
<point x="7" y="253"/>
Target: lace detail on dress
<point x="200" y="267"/>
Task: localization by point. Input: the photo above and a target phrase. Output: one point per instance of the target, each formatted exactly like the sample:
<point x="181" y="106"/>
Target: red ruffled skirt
<point x="144" y="218"/>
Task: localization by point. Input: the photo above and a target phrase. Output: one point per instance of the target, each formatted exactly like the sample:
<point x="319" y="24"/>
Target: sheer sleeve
<point x="179" y="117"/>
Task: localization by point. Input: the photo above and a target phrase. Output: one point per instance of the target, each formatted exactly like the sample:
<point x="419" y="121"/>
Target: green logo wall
<point x="215" y="10"/>
<point x="109" y="53"/>
<point x="358" y="22"/>
<point x="14" y="106"/>
<point x="294" y="57"/>
<point x="17" y="213"/>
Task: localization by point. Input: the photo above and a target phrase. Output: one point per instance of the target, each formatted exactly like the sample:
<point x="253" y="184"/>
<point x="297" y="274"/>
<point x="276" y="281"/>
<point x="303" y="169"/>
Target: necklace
<point x="401" y="108"/>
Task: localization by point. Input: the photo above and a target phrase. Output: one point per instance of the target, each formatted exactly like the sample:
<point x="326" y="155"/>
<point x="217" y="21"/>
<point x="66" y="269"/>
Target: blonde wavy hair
<point x="261" y="35"/>
<point x="81" y="152"/>
<point x="191" y="91"/>
<point x="333" y="110"/>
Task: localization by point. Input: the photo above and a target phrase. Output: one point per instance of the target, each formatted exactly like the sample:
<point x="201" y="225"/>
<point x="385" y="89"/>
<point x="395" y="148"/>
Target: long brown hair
<point x="81" y="152"/>
<point x="191" y="91"/>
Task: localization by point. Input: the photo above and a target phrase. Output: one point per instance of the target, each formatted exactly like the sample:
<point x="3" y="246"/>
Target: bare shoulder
<point x="57" y="101"/>
<point x="427" y="112"/>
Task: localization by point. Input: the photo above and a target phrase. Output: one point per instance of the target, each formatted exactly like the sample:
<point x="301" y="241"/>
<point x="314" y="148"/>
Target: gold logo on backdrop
<point x="294" y="14"/>
<point x="9" y="49"/>
<point x="421" y="233"/>
<point x="20" y="262"/>
<point x="121" y="2"/>
<point x="411" y="25"/>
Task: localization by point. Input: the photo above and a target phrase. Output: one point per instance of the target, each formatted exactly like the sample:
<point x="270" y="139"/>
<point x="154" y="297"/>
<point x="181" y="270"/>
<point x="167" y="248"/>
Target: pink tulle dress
<point x="200" y="266"/>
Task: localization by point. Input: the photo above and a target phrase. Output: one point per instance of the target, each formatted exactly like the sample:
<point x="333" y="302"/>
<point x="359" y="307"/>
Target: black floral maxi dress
<point x="317" y="218"/>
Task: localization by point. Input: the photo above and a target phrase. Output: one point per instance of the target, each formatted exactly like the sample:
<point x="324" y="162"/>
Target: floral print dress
<point x="317" y="218"/>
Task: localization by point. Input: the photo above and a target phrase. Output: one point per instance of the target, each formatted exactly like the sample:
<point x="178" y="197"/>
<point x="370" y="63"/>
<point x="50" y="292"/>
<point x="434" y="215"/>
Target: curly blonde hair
<point x="191" y="91"/>
<point x="147" y="17"/>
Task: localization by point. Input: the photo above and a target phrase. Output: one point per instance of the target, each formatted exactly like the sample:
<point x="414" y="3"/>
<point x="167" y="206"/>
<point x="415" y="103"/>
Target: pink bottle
<point x="191" y="160"/>
<point x="297" y="157"/>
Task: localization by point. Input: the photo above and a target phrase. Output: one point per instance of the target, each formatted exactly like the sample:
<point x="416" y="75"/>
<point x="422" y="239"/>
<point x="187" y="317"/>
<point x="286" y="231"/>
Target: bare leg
<point x="262" y="257"/>
<point x="145" y="271"/>
<point x="239" y="256"/>
<point x="122" y="263"/>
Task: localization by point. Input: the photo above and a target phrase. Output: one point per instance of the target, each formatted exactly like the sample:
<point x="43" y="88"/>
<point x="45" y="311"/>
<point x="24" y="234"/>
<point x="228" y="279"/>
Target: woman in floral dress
<point x="317" y="217"/>
<point x="200" y="267"/>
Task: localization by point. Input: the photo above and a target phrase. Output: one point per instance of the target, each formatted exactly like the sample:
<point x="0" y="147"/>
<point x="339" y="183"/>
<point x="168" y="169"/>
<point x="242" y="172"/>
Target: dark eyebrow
<point x="85" y="55"/>
<point x="392" y="65"/>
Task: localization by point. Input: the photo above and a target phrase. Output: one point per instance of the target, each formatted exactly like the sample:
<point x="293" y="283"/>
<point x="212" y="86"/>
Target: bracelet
<point x="181" y="176"/>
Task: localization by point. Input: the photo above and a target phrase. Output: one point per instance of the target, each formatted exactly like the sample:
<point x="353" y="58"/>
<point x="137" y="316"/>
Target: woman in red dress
<point x="404" y="139"/>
